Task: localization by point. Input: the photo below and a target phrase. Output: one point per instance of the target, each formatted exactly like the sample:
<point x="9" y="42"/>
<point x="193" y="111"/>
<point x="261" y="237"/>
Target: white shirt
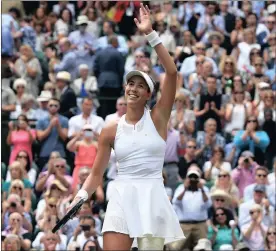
<point x="271" y="178"/>
<point x="112" y="117"/>
<point x="90" y="84"/>
<point x="77" y="122"/>
<point x="215" y="171"/>
<point x="191" y="207"/>
<point x="40" y="246"/>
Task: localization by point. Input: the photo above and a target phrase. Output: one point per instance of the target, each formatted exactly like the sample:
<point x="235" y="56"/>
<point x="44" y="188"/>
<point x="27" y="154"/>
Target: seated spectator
<point x="56" y="190"/>
<point x="57" y="171"/>
<point x="244" y="174"/>
<point x="17" y="172"/>
<point x="188" y="159"/>
<point x="221" y="199"/>
<point x="28" y="68"/>
<point x="253" y="139"/>
<point x="85" y="148"/>
<point x="21" y="137"/>
<point x="224" y="182"/>
<point x="49" y="86"/>
<point x="16" y="227"/>
<point x="221" y="231"/>
<point x="207" y="140"/>
<point x="191" y="202"/>
<point x="121" y="110"/>
<point x="258" y="198"/>
<point x="12" y="242"/>
<point x="54" y="128"/>
<point x="270" y="240"/>
<point x="216" y="52"/>
<point x="183" y="119"/>
<point x="53" y="156"/>
<point x="254" y="231"/>
<point x="216" y="164"/>
<point x="86" y="84"/>
<point x="14" y="205"/>
<point x="260" y="179"/>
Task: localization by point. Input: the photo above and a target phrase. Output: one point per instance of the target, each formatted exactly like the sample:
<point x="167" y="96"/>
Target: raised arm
<point x="164" y="105"/>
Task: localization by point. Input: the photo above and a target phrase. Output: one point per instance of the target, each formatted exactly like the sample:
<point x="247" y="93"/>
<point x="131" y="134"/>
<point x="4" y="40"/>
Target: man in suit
<point x="109" y="71"/>
<point x="68" y="100"/>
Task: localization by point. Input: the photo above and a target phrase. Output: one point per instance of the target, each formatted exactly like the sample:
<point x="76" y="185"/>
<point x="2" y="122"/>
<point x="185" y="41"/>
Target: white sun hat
<point x="144" y="75"/>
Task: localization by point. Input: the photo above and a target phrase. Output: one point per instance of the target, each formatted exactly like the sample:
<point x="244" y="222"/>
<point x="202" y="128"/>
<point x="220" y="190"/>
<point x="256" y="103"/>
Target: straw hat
<point x="44" y="96"/>
<point x="218" y="193"/>
<point x="216" y="34"/>
<point x="203" y="244"/>
<point x="64" y="75"/>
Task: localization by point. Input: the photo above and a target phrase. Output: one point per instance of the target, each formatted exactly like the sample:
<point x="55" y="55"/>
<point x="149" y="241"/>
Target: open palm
<point x="144" y="25"/>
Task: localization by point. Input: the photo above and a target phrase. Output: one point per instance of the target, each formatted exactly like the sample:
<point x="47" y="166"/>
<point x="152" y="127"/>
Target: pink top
<point x="244" y="177"/>
<point x="85" y="156"/>
<point x="21" y="142"/>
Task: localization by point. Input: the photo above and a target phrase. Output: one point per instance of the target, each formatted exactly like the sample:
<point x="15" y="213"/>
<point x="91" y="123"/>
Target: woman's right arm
<point x="228" y="112"/>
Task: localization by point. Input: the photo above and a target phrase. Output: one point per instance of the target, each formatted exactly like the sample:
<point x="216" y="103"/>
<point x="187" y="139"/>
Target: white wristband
<point x="82" y="194"/>
<point x="153" y="39"/>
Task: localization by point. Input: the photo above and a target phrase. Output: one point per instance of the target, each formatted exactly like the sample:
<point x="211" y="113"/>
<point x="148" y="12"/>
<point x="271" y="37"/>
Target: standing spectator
<point x="68" y="100"/>
<point x="68" y="62"/>
<point x="121" y="106"/>
<point x="8" y="45"/>
<point x="244" y="174"/>
<point x="28" y="68"/>
<point x="109" y="31"/>
<point x="21" y="137"/>
<point x="207" y="140"/>
<point x="77" y="122"/>
<point x="109" y="71"/>
<point x="63" y="26"/>
<point x="85" y="149"/>
<point x="57" y="8"/>
<point x="209" y="105"/>
<point x="216" y="52"/>
<point x="254" y="232"/>
<point x="26" y="33"/>
<point x="52" y="132"/>
<point x="191" y="202"/>
<point x="237" y="34"/>
<point x="83" y="43"/>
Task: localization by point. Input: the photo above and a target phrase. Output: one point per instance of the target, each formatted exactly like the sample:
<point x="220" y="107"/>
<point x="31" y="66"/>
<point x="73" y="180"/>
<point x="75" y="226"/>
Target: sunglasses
<point x="262" y="175"/>
<point x="255" y="53"/>
<point x="271" y="233"/>
<point x="199" y="62"/>
<point x="139" y="56"/>
<point x="200" y="48"/>
<point x="222" y="214"/>
<point x="270" y="22"/>
<point x="194" y="147"/>
<point x="223" y="175"/>
<point x="20" y="86"/>
<point x="121" y="104"/>
<point x="228" y="63"/>
<point x="220" y="200"/>
<point x="238" y="92"/>
<point x="51" y="239"/>
<point x="22" y="157"/>
<point x="56" y="106"/>
<point x="252" y="212"/>
<point x="60" y="166"/>
<point x="17" y="188"/>
<point x="52" y="206"/>
<point x="252" y="121"/>
<point x="258" y="65"/>
<point x="18" y="220"/>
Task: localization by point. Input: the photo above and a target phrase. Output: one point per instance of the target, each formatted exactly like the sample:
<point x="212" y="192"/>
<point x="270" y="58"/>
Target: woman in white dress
<point x="139" y="206"/>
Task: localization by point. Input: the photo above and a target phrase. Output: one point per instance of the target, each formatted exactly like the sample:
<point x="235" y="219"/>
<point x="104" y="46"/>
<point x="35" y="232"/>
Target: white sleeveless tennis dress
<point x="139" y="205"/>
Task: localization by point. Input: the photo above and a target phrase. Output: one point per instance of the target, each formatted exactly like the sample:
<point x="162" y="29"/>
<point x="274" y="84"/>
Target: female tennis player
<point x="139" y="206"/>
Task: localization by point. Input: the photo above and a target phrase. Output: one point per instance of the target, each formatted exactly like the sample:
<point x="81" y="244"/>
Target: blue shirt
<point x="68" y="63"/>
<point x="123" y="48"/>
<point x="29" y="36"/>
<point x="53" y="141"/>
<point x="7" y="41"/>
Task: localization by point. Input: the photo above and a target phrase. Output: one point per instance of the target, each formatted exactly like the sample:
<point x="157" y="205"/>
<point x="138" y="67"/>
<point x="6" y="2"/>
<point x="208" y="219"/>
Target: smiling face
<point x="137" y="91"/>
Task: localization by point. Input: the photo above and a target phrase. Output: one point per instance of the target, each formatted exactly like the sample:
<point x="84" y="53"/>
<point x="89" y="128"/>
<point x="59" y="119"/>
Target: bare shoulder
<point x="108" y="133"/>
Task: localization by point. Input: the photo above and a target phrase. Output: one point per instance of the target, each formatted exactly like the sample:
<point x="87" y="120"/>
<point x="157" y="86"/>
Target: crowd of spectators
<point x="62" y="70"/>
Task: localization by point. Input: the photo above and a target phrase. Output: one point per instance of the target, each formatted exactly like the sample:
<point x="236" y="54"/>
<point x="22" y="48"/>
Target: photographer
<point x="191" y="202"/>
<point x="244" y="174"/>
<point x="85" y="231"/>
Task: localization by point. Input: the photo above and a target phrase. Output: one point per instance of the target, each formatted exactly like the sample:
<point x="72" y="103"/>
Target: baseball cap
<point x="144" y="75"/>
<point x="193" y="171"/>
<point x="259" y="188"/>
<point x="247" y="154"/>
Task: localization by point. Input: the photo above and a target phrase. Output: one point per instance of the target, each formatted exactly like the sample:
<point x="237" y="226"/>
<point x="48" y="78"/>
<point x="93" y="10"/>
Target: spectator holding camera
<point x="254" y="232"/>
<point x="191" y="202"/>
<point x="244" y="174"/>
<point x="222" y="230"/>
<point x="85" y="231"/>
<point x="16" y="227"/>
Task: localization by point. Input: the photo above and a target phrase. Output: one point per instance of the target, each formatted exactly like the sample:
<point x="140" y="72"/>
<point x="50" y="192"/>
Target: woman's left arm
<point x="261" y="139"/>
<point x="162" y="110"/>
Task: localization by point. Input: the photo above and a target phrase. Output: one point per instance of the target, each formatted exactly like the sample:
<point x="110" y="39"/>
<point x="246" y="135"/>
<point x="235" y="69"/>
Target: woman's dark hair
<point x="70" y="14"/>
<point x="96" y="248"/>
<point x="29" y="164"/>
<point x="24" y="118"/>
<point x="257" y="122"/>
<point x="243" y="21"/>
<point x="227" y="214"/>
<point x="219" y="149"/>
